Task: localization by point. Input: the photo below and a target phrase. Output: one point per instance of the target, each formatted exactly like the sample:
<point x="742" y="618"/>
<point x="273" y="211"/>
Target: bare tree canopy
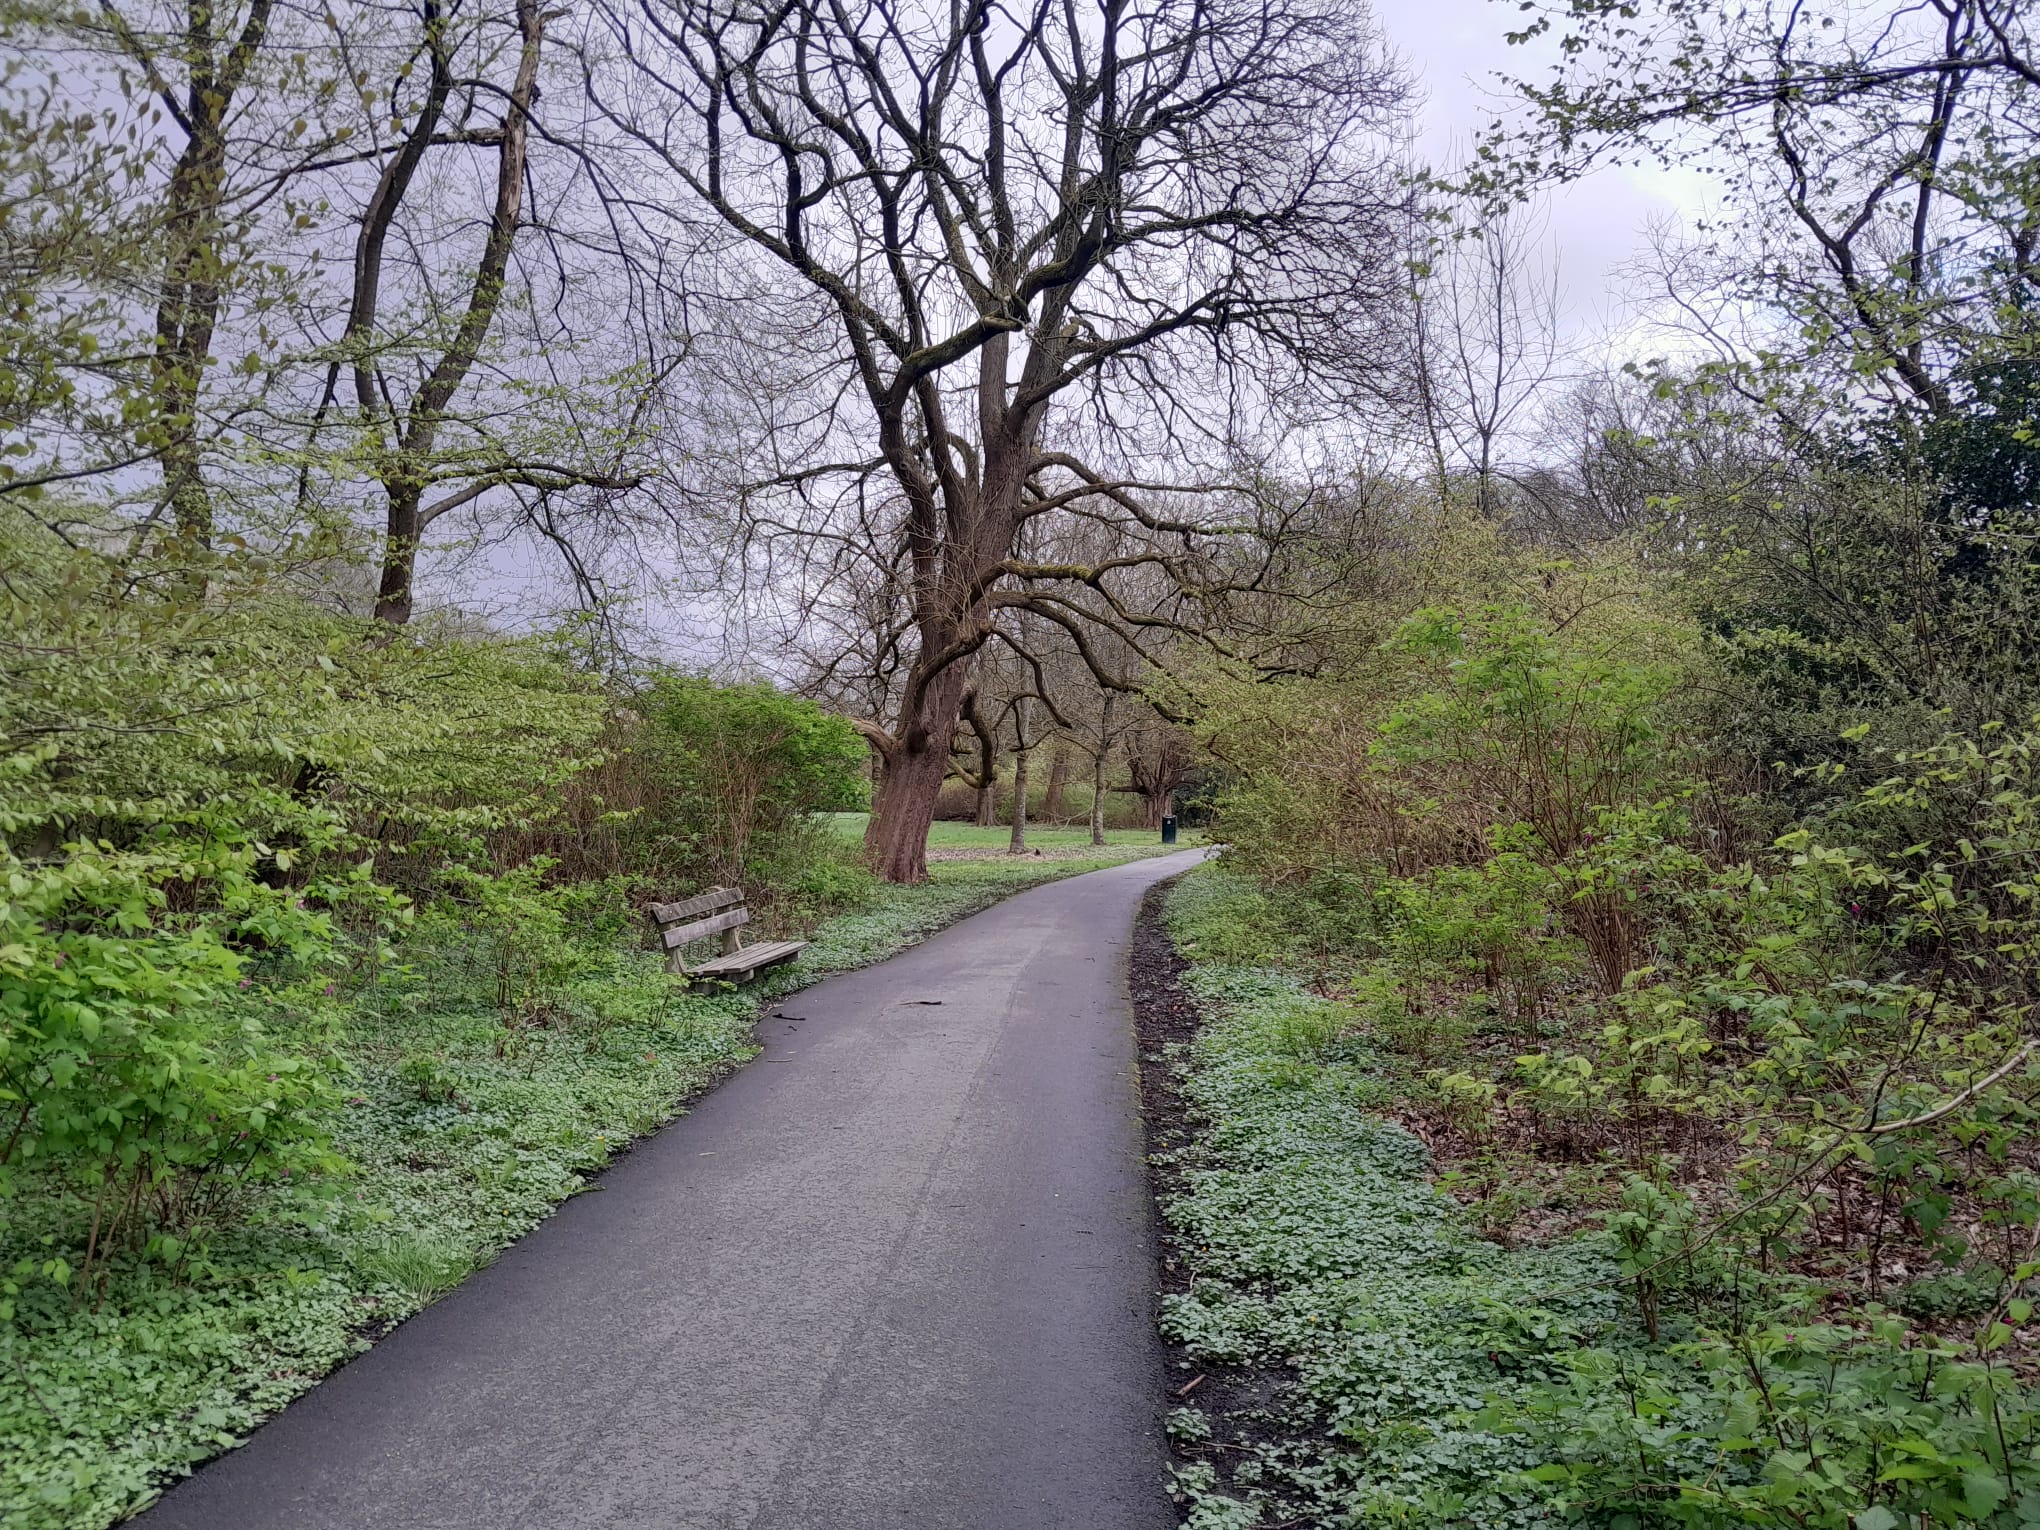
<point x="932" y="223"/>
<point x="1876" y="166"/>
<point x="294" y="276"/>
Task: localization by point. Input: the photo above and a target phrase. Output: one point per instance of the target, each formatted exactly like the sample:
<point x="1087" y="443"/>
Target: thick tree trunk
<point x="987" y="803"/>
<point x="916" y="764"/>
<point x="1058" y="782"/>
<point x="1018" y="844"/>
<point x="896" y="839"/>
<point x="946" y="563"/>
<point x="1152" y="806"/>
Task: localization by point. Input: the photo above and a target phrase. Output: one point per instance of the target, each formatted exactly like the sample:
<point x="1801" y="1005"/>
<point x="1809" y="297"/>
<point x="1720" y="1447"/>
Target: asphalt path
<point x="897" y="1272"/>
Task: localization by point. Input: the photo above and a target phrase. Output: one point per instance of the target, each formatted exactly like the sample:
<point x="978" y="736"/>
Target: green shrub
<point x="135" y="1062"/>
<point x="735" y="769"/>
<point x="814" y="873"/>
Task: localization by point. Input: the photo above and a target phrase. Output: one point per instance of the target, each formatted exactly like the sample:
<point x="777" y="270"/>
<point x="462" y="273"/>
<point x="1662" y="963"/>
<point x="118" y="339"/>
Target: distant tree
<point x="1488" y="344"/>
<point x="1160" y="757"/>
<point x="1101" y="754"/>
<point x="1058" y="781"/>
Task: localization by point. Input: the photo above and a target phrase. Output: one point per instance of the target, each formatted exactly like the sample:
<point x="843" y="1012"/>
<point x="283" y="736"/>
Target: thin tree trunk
<point x="194" y="269"/>
<point x="411" y="462"/>
<point x="1058" y="781"/>
<point x="1018" y="845"/>
<point x="988" y="763"/>
<point x="1098" y="759"/>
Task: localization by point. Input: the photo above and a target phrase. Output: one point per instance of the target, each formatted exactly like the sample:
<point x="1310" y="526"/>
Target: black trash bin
<point x="1169" y="829"/>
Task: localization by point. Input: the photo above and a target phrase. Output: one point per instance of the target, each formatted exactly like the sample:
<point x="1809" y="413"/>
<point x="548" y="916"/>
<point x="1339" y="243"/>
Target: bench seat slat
<point x="715" y="924"/>
<point x="750" y="958"/>
<point x="713" y="901"/>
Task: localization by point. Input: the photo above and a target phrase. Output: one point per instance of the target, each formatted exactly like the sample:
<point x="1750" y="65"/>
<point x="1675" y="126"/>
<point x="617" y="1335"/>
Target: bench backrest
<point x="719" y="911"/>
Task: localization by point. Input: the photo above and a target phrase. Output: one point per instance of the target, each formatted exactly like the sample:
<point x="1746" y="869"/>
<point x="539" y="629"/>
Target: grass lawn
<point x="968" y="836"/>
<point x="464" y="1127"/>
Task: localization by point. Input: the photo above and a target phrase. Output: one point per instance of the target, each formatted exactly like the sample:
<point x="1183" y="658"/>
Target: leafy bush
<point x="737" y="769"/>
<point x="1761" y="1065"/>
<point x="1629" y="1375"/>
<point x="135" y="1061"/>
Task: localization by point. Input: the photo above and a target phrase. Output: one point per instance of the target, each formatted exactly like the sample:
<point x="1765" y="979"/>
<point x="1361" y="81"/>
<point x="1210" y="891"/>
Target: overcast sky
<point x="1597" y="227"/>
<point x="1456" y="48"/>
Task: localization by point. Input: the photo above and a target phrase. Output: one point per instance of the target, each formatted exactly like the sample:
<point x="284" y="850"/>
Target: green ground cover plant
<point x="455" y="1129"/>
<point x="1426" y="1374"/>
<point x="1717" y="1073"/>
<point x="323" y="973"/>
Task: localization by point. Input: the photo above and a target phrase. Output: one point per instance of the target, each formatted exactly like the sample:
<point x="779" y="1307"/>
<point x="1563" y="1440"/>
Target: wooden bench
<point x="719" y="911"/>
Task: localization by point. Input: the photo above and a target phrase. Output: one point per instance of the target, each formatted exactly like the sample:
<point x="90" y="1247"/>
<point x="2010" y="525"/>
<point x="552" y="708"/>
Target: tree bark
<point x="394" y="600"/>
<point x="916" y="763"/>
<point x="1018" y="844"/>
<point x="953" y="624"/>
<point x="194" y="268"/>
<point x="988" y="762"/>
<point x="903" y="807"/>
<point x="1058" y="781"/>
<point x="1098" y="758"/>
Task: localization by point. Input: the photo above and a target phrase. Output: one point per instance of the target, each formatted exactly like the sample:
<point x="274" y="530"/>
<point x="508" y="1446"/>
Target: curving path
<point x="898" y="1273"/>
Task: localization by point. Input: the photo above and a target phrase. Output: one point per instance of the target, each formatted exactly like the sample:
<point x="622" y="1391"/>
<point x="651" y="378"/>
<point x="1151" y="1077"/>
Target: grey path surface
<point x="895" y="1273"/>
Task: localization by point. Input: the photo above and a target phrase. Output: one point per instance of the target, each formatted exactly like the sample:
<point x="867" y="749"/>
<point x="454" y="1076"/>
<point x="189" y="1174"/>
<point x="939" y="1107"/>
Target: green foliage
<point x="740" y="770"/>
<point x="1827" y="1426"/>
<point x="1777" y="1073"/>
<point x="196" y="803"/>
<point x="464" y="1124"/>
<point x="1555" y="728"/>
<point x="1317" y="1249"/>
<point x="1644" y="1373"/>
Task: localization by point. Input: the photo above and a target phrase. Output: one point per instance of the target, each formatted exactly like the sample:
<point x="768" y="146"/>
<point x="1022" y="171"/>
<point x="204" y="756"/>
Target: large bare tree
<point x="936" y="229"/>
